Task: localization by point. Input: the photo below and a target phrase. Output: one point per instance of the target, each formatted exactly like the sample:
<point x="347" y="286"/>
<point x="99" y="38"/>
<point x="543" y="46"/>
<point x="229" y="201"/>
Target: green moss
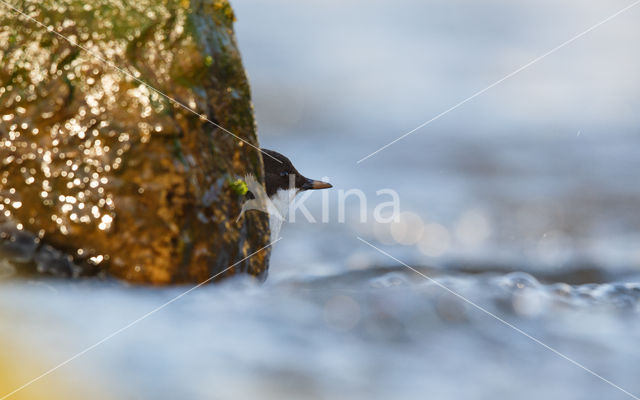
<point x="177" y="151"/>
<point x="239" y="187"/>
<point x="224" y="8"/>
<point x="192" y="67"/>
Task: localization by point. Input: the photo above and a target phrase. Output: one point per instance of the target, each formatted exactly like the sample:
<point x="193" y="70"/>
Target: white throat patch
<point x="279" y="209"/>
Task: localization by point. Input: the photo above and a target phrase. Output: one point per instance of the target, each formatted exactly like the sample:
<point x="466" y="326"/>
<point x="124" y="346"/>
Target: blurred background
<point x="537" y="170"/>
<point x="524" y="200"/>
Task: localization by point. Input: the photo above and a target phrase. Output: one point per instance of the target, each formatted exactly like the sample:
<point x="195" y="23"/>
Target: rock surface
<point x="98" y="172"/>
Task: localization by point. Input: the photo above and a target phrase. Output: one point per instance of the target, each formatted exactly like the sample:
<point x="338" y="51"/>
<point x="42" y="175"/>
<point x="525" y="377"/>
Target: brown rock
<point x="100" y="170"/>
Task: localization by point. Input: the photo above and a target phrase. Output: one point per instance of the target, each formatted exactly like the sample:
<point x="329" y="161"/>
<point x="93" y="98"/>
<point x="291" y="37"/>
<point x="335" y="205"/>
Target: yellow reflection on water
<point x="20" y="364"/>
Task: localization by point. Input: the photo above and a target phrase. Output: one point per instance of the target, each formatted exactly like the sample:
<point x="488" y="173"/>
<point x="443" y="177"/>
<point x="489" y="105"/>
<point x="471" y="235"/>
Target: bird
<point x="280" y="174"/>
<point x="282" y="183"/>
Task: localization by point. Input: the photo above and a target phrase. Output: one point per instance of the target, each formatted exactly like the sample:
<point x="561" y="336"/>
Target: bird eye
<point x="284" y="173"/>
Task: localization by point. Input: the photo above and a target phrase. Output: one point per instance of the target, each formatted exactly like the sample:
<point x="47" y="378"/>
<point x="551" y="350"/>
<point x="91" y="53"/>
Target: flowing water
<point x="522" y="201"/>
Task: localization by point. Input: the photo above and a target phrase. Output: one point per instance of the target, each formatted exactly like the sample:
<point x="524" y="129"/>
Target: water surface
<point x="523" y="201"/>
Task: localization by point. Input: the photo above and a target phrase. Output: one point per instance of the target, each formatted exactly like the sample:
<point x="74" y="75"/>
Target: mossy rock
<point x="100" y="173"/>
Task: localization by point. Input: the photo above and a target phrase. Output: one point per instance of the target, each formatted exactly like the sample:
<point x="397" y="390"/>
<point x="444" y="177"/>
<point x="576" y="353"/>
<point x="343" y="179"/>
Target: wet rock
<point x="105" y="171"/>
<point x="16" y="245"/>
<point x="53" y="262"/>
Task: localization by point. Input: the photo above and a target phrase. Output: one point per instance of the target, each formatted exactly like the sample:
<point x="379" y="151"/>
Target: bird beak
<point x="310" y="184"/>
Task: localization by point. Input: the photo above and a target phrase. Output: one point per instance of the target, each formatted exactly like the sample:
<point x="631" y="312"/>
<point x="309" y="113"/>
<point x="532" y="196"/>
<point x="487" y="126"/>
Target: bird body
<point x="279" y="205"/>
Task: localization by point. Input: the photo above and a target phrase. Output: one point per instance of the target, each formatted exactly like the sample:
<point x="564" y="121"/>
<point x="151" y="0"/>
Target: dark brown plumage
<point x="281" y="174"/>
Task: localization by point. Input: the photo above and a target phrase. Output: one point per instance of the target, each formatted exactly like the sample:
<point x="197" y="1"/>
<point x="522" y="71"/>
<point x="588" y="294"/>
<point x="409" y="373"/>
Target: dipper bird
<point x="282" y="183"/>
<point x="280" y="174"/>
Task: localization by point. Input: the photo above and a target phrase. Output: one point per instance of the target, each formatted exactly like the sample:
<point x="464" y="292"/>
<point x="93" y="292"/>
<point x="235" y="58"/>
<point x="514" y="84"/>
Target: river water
<point x="521" y="204"/>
